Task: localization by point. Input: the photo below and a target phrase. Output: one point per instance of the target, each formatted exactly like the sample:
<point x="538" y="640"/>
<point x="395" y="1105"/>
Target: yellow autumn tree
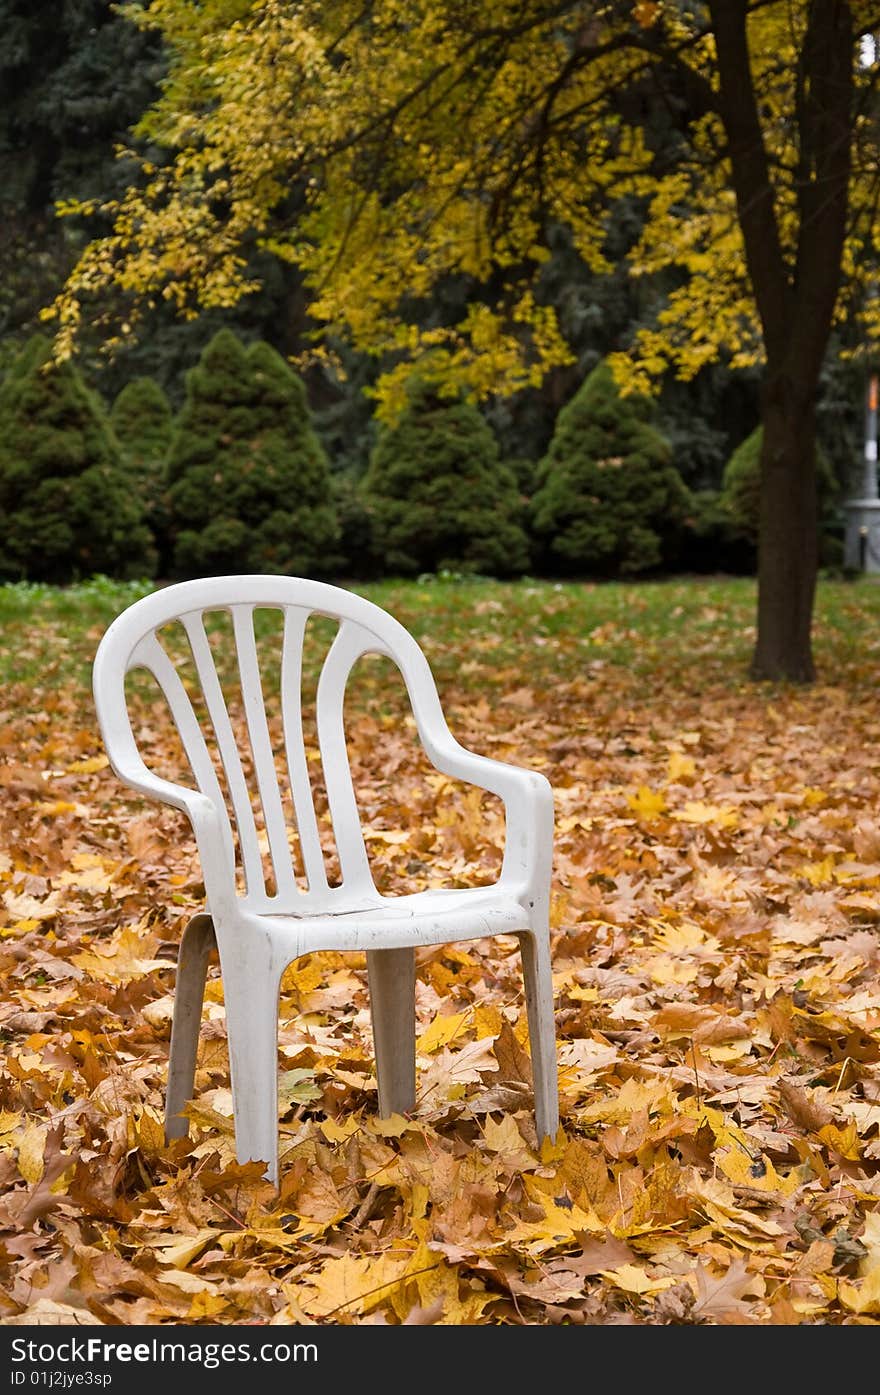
<point x="385" y="148"/>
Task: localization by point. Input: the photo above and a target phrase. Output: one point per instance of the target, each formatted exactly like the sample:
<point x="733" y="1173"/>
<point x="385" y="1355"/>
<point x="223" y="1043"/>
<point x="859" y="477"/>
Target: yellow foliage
<point x="696" y="811"/>
<point x="354" y="1284"/>
<point x="31" y="1147"/>
<point x="443" y="1029"/>
<point x="646" y="803"/>
<point x="262" y="96"/>
<point x="681" y="767"/>
<point x="756" y="1173"/>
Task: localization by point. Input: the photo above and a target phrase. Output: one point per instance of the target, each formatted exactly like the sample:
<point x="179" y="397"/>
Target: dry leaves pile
<point x="715" y="937"/>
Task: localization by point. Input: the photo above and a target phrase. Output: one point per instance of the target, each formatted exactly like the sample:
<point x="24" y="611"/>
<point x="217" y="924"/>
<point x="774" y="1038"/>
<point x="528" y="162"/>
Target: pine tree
<point x="142" y="421"/>
<point x="249" y="484"/>
<point x="74" y="79"/>
<point x="66" y="507"/>
<point x="608" y="498"/>
<point x="440" y="496"/>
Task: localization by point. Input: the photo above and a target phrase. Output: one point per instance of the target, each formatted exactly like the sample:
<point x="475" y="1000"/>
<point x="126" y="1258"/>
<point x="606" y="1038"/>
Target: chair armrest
<point x="132" y="771"/>
<point x="212" y="832"/>
<point x="528" y="809"/>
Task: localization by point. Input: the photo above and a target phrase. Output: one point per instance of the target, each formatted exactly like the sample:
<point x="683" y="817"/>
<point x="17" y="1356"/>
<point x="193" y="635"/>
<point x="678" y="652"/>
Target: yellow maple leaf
<point x="505" y="1138"/>
<point x="863" y="1297"/>
<point x="353" y="1284"/>
<point x="31" y="1147"/>
<point x="717" y="882"/>
<point x="9" y="1122"/>
<point x="758" y="1174"/>
<point x="393" y="1127"/>
<point x="582" y="995"/>
<point x="681" y="767"/>
<point x="26" y="907"/>
<point x="19" y="927"/>
<point x="634" y="1094"/>
<point x="181" y="1250"/>
<point x="844" y="1141"/>
<point x="818" y="873"/>
<point x="338" y="1133"/>
<point x="664" y="969"/>
<point x="487" y="1020"/>
<point x="631" y="1279"/>
<point x="683" y="937"/>
<point x="206" y="1305"/>
<point x="146" y="1130"/>
<point x="586" y="1056"/>
<point x="89" y="766"/>
<point x="734" y="1051"/>
<point x="438" y="1283"/>
<point x="95" y="878"/>
<point x="646" y="804"/>
<point x="746" y="1228"/>
<point x="558" y="1224"/>
<point x="812" y="797"/>
<point x="697" y="812"/>
<point x="441" y="1031"/>
<point x="123" y="958"/>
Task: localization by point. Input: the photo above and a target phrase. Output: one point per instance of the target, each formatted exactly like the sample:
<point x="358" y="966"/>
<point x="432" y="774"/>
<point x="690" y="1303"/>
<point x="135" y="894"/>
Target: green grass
<point x="482" y="634"/>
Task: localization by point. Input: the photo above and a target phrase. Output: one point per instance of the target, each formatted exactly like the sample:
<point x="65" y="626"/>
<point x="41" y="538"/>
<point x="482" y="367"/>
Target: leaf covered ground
<point x="716" y="904"/>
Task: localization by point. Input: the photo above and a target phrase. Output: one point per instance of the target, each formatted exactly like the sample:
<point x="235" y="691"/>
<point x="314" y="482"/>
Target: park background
<point x="565" y="399"/>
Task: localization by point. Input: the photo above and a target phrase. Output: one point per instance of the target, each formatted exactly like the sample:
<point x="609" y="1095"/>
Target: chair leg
<point x="535" y="951"/>
<point x="392" y="975"/>
<point x="250" y="992"/>
<point x="192" y="966"/>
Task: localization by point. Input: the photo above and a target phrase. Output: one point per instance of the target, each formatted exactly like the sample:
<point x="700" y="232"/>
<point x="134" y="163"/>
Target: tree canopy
<point x="366" y="142"/>
<point x="391" y="150"/>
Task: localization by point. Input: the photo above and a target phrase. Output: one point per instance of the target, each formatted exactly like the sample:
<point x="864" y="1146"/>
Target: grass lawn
<point x="484" y="634"/>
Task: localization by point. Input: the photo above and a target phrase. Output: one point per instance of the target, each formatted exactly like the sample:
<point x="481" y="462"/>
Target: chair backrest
<point x="132" y="641"/>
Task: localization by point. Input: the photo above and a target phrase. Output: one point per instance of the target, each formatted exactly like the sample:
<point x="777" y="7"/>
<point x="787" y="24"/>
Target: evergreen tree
<point x="142" y="420"/>
<point x="249" y="484"/>
<point x="608" y="497"/>
<point x="741" y="494"/>
<point x="359" y="554"/>
<point x="66" y="506"/>
<point x="440" y="496"/>
<point x="75" y="75"/>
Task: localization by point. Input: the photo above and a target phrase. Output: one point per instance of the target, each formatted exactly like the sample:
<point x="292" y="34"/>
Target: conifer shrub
<point x="712" y="542"/>
<point x="143" y="423"/>
<point x="248" y="480"/>
<point x="67" y="509"/>
<point x="439" y="495"/>
<point x="358" y="550"/>
<point x="608" y="499"/>
<point x="741" y="486"/>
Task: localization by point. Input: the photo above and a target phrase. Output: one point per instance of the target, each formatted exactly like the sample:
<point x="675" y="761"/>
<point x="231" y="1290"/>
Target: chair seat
<point x="400" y="922"/>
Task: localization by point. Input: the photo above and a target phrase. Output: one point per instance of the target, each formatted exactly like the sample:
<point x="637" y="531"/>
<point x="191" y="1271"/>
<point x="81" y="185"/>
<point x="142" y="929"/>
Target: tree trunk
<point x="796" y="290"/>
<point x="788" y="543"/>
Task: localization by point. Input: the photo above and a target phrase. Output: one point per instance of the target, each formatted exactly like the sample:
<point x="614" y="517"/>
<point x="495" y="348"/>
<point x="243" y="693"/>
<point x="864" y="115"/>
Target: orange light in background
<point x="872" y="393"/>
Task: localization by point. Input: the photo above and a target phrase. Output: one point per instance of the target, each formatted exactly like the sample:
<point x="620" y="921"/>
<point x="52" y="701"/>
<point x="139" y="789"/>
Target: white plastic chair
<point x="259" y="932"/>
